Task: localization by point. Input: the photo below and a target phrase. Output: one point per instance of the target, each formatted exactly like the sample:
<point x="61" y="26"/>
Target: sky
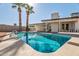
<point x="9" y="15"/>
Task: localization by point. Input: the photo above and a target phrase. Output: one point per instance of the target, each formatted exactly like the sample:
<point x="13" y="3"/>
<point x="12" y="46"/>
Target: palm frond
<point x="13" y="6"/>
<point x="28" y="7"/>
<point x="32" y="12"/>
<point x="31" y="7"/>
<point x="16" y="5"/>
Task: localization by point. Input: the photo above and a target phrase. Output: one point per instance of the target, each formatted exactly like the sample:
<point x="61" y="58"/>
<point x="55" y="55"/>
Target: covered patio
<point x="61" y="25"/>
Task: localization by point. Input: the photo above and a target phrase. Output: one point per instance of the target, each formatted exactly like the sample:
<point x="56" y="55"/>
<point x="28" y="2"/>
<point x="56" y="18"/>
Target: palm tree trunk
<point x="27" y="21"/>
<point x="20" y="24"/>
<point x="27" y="29"/>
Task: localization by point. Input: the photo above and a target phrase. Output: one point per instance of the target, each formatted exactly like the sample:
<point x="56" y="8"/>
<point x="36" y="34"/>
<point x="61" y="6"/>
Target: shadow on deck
<point x="12" y="49"/>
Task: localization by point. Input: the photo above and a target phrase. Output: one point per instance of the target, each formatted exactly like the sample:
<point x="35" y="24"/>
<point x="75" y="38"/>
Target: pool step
<point x="73" y="43"/>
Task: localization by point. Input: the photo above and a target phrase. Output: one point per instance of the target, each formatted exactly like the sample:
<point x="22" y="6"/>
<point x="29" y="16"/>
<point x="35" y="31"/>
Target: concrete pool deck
<point x="74" y="34"/>
<point x="14" y="47"/>
<point x="69" y="49"/>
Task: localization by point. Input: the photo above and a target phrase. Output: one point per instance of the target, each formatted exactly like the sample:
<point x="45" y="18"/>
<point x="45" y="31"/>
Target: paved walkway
<point x="14" y="47"/>
<point x="70" y="33"/>
<point x="3" y="34"/>
<point x="74" y="34"/>
<point x="71" y="48"/>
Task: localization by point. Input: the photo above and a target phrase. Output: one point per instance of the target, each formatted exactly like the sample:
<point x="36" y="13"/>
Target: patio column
<point x="35" y="28"/>
<point x="59" y="25"/>
<point x="46" y="27"/>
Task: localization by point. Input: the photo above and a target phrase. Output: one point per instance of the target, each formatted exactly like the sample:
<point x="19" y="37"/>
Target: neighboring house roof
<point x="60" y="18"/>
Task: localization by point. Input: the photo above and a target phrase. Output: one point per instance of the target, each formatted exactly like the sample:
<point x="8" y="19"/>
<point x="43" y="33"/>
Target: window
<point x="67" y="26"/>
<point x="63" y="26"/>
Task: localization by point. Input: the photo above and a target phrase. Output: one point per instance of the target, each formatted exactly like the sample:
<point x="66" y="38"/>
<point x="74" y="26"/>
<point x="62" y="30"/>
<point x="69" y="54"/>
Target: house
<point x="58" y="24"/>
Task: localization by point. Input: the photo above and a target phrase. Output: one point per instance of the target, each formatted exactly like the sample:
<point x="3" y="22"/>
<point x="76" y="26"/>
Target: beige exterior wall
<point x="32" y="28"/>
<point x="39" y="27"/>
<point x="54" y="27"/>
<point x="77" y="25"/>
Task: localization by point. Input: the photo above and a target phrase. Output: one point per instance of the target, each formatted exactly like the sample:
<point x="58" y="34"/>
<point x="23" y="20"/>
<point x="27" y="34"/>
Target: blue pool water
<point x="44" y="42"/>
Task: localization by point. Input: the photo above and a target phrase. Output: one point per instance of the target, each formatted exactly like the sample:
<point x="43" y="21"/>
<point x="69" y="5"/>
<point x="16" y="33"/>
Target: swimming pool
<point x="44" y="42"/>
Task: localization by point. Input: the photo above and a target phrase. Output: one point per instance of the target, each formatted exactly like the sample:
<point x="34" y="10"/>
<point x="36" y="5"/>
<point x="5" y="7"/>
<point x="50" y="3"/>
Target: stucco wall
<point x="54" y="27"/>
<point x="39" y="27"/>
<point x="77" y="25"/>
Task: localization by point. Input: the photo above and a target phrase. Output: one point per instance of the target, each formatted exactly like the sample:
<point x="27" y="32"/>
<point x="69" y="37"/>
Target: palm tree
<point x="18" y="6"/>
<point x="29" y="10"/>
